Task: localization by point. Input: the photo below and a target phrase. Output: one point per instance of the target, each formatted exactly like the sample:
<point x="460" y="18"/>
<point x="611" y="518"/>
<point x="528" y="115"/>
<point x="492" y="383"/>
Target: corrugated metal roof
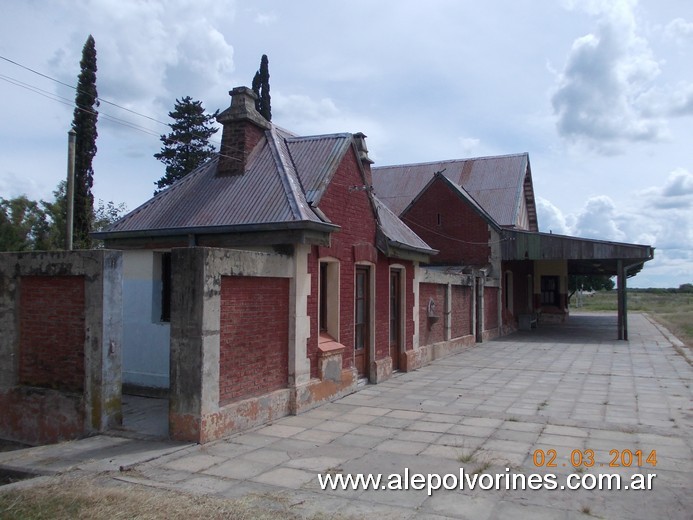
<point x="316" y="159"/>
<point x="494" y="182"/>
<point x="268" y="192"/>
<point x="396" y="231"/>
<point x="285" y="178"/>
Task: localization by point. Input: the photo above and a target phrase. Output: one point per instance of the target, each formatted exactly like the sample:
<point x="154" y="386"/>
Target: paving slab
<point x="531" y="404"/>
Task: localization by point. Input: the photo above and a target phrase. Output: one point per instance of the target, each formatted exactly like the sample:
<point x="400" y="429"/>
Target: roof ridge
<point x="288" y="177"/>
<point x="450" y="161"/>
<point x="335" y="135"/>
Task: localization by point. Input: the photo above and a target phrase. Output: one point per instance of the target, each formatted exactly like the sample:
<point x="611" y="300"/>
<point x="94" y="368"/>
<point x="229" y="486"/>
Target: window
<point x="549" y="290"/>
<point x="328" y="298"/>
<point x="166" y="287"/>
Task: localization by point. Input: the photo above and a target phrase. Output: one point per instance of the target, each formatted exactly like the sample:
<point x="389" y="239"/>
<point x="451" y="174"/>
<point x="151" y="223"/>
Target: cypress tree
<point x="261" y="87"/>
<point x="187" y="145"/>
<point x="84" y="124"/>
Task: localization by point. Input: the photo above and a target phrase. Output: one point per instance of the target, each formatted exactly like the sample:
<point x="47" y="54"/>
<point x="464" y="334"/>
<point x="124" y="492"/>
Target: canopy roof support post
<point x="622" y="302"/>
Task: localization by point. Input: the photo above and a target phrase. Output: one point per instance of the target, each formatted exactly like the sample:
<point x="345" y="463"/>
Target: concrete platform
<point x="571" y="389"/>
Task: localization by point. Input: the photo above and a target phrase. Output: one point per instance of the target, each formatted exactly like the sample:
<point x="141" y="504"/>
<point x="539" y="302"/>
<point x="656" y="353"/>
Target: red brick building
<point x="286" y="281"/>
<point x="282" y="273"/>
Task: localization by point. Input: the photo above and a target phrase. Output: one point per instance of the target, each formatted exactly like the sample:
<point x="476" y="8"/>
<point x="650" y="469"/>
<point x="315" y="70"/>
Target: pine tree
<point x="261" y="87"/>
<point x="84" y="124"/>
<point x="187" y="145"/>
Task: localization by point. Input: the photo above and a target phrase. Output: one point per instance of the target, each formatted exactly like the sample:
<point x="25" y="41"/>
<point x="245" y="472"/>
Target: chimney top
<point x="360" y="141"/>
<point x="243" y="108"/>
<point x="244" y="127"/>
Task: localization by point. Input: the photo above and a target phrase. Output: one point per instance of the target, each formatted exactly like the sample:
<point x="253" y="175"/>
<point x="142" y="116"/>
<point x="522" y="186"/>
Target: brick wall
<point x="457" y="220"/>
<point x="254" y="338"/>
<point x="352" y="210"/>
<point x="461" y="311"/>
<point x="52" y="332"/>
<point x="437" y="330"/>
<point x="490" y="308"/>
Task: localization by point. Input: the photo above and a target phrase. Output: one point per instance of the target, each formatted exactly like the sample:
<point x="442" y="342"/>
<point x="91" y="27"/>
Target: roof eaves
<point x="216" y="230"/>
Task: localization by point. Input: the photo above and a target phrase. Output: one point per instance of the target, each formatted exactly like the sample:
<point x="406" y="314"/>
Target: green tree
<point x="84" y="124"/>
<point x="261" y="87"/>
<point x="589" y="283"/>
<point x="103" y="215"/>
<point x="27" y="225"/>
<point x="23" y="225"/>
<point x="187" y="145"/>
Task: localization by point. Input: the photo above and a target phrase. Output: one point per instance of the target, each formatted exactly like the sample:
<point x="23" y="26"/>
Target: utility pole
<point x="70" y="195"/>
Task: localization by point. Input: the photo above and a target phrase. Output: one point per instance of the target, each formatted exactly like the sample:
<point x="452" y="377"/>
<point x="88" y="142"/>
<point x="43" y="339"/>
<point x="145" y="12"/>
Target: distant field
<point x="673" y="310"/>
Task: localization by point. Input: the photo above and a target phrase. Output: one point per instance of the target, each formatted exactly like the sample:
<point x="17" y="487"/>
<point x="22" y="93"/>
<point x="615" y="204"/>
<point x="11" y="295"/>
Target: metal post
<point x="70" y="195"/>
<point x="621" y="280"/>
<point x="625" y="303"/>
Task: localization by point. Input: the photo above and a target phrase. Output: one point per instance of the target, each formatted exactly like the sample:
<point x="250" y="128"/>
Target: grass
<point x="672" y="310"/>
<point x="466" y="457"/>
<point x="102" y="498"/>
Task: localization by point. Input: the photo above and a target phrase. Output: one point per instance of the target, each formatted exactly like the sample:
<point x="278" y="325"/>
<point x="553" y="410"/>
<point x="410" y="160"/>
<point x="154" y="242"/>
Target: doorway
<point x="395" y="317"/>
<point x="362" y="321"/>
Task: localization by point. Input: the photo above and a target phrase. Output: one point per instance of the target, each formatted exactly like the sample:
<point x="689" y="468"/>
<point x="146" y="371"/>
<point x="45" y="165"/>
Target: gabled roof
<point x="498" y="184"/>
<point x="457" y="190"/>
<point x="284" y="180"/>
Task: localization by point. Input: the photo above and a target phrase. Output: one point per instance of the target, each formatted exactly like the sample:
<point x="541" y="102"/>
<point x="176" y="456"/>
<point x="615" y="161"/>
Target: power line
<point x="99" y="99"/>
<point x="69" y="102"/>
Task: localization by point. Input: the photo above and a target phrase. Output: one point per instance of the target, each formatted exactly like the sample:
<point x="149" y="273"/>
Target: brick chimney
<point x="243" y="128"/>
<point x="360" y="142"/>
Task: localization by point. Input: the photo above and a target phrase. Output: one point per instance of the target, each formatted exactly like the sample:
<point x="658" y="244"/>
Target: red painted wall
<point x="52" y="332"/>
<point x="462" y="235"/>
<point x="461" y="311"/>
<point x="254" y="343"/>
<point x="437" y="330"/>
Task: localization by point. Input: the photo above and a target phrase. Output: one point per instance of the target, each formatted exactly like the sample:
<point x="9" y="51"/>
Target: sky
<point x="598" y="92"/>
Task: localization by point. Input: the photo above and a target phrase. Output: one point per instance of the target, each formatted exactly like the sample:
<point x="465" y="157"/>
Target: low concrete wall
<point x="43" y="414"/>
<point x="419" y="357"/>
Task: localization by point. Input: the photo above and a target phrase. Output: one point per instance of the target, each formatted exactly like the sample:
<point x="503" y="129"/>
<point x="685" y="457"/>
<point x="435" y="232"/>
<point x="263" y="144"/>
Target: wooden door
<point x="395" y="317"/>
<point x="361" y="321"/>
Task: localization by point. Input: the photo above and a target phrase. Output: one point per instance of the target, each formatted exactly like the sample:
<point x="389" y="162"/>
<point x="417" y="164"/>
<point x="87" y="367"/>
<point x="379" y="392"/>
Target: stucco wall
<point x="146" y="339"/>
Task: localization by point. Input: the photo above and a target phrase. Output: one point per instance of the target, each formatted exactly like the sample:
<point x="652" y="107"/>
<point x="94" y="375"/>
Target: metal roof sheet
<point x="316" y="159"/>
<point x="283" y="182"/>
<point x="494" y="182"/>
<point x="396" y="231"/>
<point x="268" y="192"/>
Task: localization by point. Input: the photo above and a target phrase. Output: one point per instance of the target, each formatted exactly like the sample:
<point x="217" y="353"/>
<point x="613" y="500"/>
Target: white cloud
<point x="679" y="30"/>
<point x="149" y="52"/>
<point x="469" y="146"/>
<point x="599" y="219"/>
<point x="550" y="218"/>
<point x="307" y="116"/>
<point x="607" y="71"/>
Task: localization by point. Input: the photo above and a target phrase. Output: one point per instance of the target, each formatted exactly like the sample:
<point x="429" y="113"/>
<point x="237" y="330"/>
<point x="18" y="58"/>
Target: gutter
<point x="216" y="230"/>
